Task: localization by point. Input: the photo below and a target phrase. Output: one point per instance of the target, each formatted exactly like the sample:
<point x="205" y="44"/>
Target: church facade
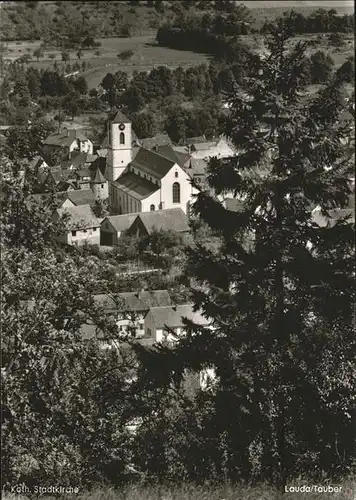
<point x="144" y="181"/>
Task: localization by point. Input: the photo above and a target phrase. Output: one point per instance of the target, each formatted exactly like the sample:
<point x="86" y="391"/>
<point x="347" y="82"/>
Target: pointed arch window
<point x="176" y="192"/>
<point x="152" y="208"/>
<point x="122" y="138"/>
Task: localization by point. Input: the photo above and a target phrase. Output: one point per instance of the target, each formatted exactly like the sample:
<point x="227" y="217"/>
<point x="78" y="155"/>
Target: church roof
<point x="120" y="118"/>
<point x="168" y="152"/>
<point x="136" y="186"/>
<point x="152" y="163"/>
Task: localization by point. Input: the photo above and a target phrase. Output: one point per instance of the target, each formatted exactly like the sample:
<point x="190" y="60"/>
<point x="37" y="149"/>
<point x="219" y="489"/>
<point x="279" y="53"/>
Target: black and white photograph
<point x="177" y="236"/>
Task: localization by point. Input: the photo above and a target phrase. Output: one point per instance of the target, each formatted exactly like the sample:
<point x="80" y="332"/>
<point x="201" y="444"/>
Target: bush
<point x="125" y="55"/>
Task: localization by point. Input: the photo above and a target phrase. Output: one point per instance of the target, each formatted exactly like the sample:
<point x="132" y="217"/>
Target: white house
<point x="130" y="308"/>
<point x="145" y="181"/>
<point x="158" y="319"/>
<point x="67" y="141"/>
<point x="82" y="225"/>
<point x="220" y="148"/>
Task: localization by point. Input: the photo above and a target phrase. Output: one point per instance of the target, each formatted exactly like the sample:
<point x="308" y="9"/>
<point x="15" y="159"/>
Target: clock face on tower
<point x="122" y="126"/>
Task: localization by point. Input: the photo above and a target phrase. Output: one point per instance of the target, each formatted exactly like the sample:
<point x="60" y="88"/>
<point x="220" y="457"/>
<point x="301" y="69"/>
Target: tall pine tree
<point x="280" y="290"/>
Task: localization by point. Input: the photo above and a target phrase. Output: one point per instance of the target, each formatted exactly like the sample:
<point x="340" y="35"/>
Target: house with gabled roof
<point x="221" y="148"/>
<point x="80" y="197"/>
<point x="153" y="142"/>
<point x="67" y="141"/>
<point x="82" y="226"/>
<point x="112" y="227"/>
<point x="171" y="219"/>
<point x="130" y="308"/>
<point x="159" y="320"/>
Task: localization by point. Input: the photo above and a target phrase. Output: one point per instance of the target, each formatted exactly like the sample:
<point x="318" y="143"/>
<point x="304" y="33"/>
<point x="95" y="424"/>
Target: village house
<point x="37" y="164"/>
<point x="82" y="225"/>
<point x="56" y="178"/>
<point x="197" y="169"/>
<point x="159" y="320"/>
<point x="171" y="219"/>
<point x="66" y="142"/>
<point x="153" y="142"/>
<point x="220" y="148"/>
<point x="113" y="226"/>
<point x="333" y="216"/>
<point x="79" y="197"/>
<point x="130" y="308"/>
<point x="77" y="160"/>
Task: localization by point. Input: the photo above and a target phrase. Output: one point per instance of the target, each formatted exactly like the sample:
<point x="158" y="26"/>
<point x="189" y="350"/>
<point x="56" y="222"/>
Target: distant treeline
<point x="320" y="21"/>
<point x="214" y="34"/>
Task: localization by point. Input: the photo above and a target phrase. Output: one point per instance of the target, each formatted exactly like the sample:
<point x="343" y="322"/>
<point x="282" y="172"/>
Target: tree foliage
<point x="279" y="293"/>
<point x="65" y="401"/>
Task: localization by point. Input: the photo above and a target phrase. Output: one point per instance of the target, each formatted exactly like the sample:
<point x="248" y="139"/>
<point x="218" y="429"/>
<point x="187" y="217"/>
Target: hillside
<point x="47" y="21"/>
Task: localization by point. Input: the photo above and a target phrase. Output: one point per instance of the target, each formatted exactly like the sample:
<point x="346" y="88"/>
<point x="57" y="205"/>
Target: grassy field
<point x="188" y="492"/>
<point x="147" y="54"/>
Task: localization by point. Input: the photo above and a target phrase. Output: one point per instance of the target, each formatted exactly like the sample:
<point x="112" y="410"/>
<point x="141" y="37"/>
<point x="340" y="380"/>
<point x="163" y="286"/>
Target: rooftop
<point x="233" y="204"/>
<point x="121" y="222"/>
<point x="120" y="118"/>
<point x="36" y="162"/>
<point x="194" y="140"/>
<point x="65" y="138"/>
<point x="157" y="140"/>
<point x="77" y="159"/>
<point x="134" y="301"/>
<point x="152" y="163"/>
<point x="80" y="217"/>
<point x="98" y="177"/>
<point x="197" y="166"/>
<point x="81" y="197"/>
<point x="171" y="219"/>
<point x="136" y="186"/>
<point x="168" y="152"/>
<point x="333" y="217"/>
<point x="171" y="316"/>
<point x="203" y="146"/>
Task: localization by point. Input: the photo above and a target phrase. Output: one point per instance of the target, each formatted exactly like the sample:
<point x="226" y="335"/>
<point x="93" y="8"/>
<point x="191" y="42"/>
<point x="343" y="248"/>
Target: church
<point x="142" y="180"/>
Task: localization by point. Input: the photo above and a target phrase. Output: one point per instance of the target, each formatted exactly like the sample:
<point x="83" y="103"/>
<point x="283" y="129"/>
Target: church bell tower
<point x="120" y="144"/>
